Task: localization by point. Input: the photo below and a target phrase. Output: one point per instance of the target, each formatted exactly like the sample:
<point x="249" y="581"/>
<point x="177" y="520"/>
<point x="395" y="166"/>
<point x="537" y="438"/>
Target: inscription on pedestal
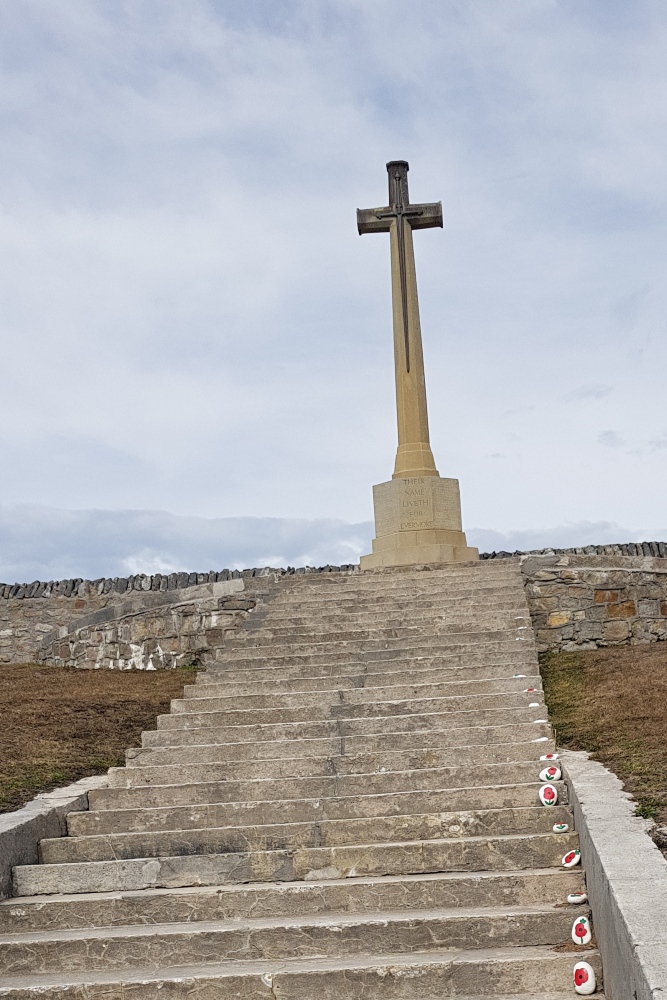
<point x="416" y="504"/>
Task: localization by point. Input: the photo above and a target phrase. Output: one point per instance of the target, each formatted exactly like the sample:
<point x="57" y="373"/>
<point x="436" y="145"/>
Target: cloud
<point x="44" y="543"/>
<point x="610" y="439"/>
<point x="562" y="536"/>
<point x="583" y="392"/>
<point x="41" y="543"/>
<point x="190" y="321"/>
<point x="658" y="443"/>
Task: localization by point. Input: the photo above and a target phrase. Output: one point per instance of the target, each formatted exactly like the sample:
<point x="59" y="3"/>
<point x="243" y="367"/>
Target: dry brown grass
<point x="58" y="725"/>
<point x="613" y="703"/>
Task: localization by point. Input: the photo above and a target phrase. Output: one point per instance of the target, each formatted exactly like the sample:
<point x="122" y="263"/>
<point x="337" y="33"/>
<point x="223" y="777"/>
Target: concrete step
<point x="516" y="706"/>
<point x="376" y="649"/>
<point x="248" y="783"/>
<point x="463" y="618"/>
<point x="383" y="661"/>
<point x="260" y="789"/>
<point x="240" y="733"/>
<point x="414" y="857"/>
<point x="547" y="886"/>
<point x="273" y="768"/>
<point x="211" y="790"/>
<point x="269" y="938"/>
<point x="358" y="676"/>
<point x="267" y="836"/>
<point x="240" y="747"/>
<point x="350" y="693"/>
<point x="371" y="752"/>
<point x="504" y="973"/>
<point x="378" y="631"/>
<point x="311" y="810"/>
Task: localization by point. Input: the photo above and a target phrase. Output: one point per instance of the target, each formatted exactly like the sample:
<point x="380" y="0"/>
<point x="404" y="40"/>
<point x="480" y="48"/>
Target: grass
<point x="58" y="725"/>
<point x="613" y="703"/>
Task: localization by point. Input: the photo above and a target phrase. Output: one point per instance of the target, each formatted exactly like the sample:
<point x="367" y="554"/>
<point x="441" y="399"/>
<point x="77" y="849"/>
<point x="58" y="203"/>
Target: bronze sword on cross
<point x="400" y="212"/>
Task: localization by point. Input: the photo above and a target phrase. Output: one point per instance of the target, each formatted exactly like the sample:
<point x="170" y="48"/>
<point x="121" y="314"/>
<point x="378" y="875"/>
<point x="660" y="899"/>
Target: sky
<point x="195" y="345"/>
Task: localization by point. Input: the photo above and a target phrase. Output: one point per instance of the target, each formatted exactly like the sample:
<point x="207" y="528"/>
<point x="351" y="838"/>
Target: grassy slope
<point x="59" y="725"/>
<point x="613" y="703"/>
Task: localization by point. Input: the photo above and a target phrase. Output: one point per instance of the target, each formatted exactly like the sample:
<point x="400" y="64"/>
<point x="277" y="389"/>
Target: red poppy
<point x="580" y="931"/>
<point x="569" y="857"/>
<point x="548" y="793"/>
<point x="580" y="977"/>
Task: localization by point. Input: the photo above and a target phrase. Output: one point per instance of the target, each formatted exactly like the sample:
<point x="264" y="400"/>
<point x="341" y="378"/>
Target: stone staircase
<point x="345" y="805"/>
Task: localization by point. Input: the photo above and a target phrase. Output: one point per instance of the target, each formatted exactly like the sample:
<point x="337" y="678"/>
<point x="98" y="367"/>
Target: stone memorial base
<point x="418" y="521"/>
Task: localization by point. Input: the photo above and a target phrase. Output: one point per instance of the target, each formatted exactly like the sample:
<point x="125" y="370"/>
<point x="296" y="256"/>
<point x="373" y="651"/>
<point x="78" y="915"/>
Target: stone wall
<point x="31" y="611"/>
<point x="179" y="631"/>
<point x="587" y="601"/>
<point x="579" y="598"/>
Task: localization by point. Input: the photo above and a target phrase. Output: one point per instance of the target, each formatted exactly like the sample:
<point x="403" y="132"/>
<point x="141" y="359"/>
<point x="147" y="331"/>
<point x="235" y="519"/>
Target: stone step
<point x="297" y="835"/>
<point x="340" y="935"/>
<point x="414" y="857"/>
<point x="239" y="747"/>
<point x="504" y="973"/>
<point x="464" y="618"/>
<point x="516" y="706"/>
<point x="407" y="591"/>
<point x="211" y="763"/>
<point x="357" y="676"/>
<point x="310" y="810"/>
<point x="380" y="631"/>
<point x="547" y="886"/>
<point x="523" y="652"/>
<point x="379" y="649"/>
<point x="480" y="744"/>
<point x="478" y="602"/>
<point x="286" y="698"/>
<point x="364" y="726"/>
<point x="314" y="786"/>
<point x="168" y="787"/>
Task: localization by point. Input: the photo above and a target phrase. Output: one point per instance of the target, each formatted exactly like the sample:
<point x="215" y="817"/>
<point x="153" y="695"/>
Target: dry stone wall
<point x="588" y="601"/>
<point x="29" y="612"/>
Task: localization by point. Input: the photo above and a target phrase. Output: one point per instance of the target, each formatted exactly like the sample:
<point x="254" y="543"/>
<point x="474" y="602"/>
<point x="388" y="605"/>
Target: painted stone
<point x="577" y="898"/>
<point x="539" y="722"/>
<point x="584" y="979"/>
<point x="581" y="931"/>
<point x="548" y="795"/>
<point x="519" y="676"/>
<point x="550" y="773"/>
<point x="572" y="858"/>
<point x="534" y="704"/>
<point x="560" y="828"/>
<point x="541" y="739"/>
<point x="530" y="690"/>
<point x="549" y="756"/>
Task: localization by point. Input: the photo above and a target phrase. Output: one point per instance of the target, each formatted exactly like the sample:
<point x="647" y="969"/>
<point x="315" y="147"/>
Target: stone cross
<point x="399" y="218"/>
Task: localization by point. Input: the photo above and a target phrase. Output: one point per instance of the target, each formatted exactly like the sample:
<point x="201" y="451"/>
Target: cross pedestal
<point x="417" y="514"/>
<point x="417" y="521"/>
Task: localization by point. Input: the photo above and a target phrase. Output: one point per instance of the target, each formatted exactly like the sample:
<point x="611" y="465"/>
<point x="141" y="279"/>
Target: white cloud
<point x="610" y="439"/>
<point x="189" y="320"/>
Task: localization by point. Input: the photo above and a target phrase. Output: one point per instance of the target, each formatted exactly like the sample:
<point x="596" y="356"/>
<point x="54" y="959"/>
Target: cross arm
<point x="429" y="216"/>
<point x="378" y="220"/>
<point x="374" y="220"/>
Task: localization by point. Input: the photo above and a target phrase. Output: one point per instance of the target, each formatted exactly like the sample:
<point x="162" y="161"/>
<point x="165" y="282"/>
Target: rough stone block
<point x="617" y="631"/>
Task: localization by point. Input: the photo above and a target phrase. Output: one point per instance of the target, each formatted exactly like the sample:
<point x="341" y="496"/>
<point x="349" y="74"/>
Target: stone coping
<point x="44" y="816"/>
<point x="626" y="878"/>
<point x="178" y="581"/>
